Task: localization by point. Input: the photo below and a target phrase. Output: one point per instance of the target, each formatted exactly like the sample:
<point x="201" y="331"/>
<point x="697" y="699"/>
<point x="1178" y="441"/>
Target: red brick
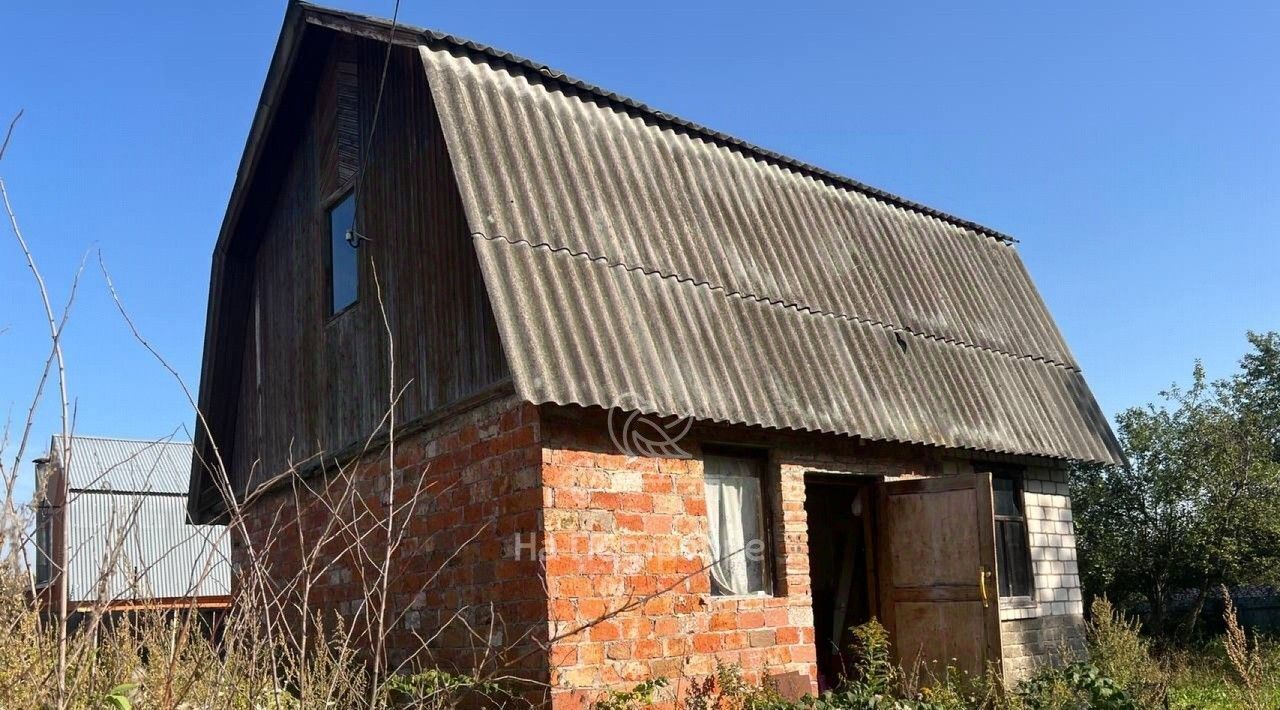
<point x="666" y="625"/>
<point x="605" y="631"/>
<point x="633" y="522"/>
<point x="659" y="483"/>
<point x="724" y="621"/>
<point x="706" y="643"/>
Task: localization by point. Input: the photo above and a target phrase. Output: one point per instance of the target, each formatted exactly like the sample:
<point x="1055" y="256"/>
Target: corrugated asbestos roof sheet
<point x="383" y="29"/>
<point x="126" y="546"/>
<point x="628" y="257"/>
<point x="99" y="463"/>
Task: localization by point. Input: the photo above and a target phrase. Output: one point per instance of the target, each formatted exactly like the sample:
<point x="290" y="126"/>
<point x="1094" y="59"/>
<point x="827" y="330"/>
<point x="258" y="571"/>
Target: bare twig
<point x="9" y="133"/>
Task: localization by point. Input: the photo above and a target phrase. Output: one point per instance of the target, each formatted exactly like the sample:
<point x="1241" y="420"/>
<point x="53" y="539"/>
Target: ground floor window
<point x="738" y="530"/>
<point x="1013" y="554"/>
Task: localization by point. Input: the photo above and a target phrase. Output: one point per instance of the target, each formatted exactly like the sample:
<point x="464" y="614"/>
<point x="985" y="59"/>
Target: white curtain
<point x="734" y="514"/>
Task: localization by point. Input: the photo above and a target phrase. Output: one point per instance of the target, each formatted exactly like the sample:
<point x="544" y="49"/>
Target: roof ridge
<point x="750" y="296"/>
<point x="548" y="72"/>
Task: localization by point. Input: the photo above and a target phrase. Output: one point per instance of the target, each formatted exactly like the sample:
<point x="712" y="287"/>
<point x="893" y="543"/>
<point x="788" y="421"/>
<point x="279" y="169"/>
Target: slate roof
<point x="630" y="255"/>
<point x="630" y="259"/>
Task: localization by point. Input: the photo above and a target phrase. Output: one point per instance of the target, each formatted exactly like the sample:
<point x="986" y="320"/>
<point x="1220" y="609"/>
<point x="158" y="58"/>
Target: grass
<point x="1203" y="678"/>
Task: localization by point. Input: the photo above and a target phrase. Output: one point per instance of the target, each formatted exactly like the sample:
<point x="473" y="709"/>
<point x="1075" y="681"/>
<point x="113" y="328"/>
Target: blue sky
<point x="1134" y="151"/>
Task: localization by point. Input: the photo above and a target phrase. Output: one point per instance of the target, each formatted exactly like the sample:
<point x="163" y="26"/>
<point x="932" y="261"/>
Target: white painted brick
<point x="800" y="616"/>
<point x="626" y="481"/>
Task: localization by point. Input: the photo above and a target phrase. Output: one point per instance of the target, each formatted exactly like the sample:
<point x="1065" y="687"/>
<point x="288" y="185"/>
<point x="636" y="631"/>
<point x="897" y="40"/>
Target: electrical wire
<point x="354" y="235"/>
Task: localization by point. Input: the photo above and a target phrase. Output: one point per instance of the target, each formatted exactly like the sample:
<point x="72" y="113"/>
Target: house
<point x="675" y="399"/>
<point x="111" y="531"/>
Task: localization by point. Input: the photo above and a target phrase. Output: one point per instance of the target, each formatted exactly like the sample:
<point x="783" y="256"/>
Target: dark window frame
<point x="44" y="545"/>
<point x="764" y="470"/>
<point x="1015" y="569"/>
<point x="330" y="204"/>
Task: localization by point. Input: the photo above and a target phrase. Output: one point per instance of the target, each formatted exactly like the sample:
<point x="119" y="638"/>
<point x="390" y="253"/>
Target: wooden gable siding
<point x="324" y="383"/>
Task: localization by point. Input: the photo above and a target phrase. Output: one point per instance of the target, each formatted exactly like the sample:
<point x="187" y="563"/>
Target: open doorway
<point x="841" y="565"/>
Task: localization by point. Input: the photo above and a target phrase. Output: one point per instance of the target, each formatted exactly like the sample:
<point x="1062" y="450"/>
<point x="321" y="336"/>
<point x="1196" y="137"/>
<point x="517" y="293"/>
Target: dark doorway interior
<point x="841" y="566"/>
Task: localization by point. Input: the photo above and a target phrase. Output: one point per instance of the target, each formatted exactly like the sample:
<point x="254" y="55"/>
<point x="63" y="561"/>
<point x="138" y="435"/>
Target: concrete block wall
<point x="1050" y="627"/>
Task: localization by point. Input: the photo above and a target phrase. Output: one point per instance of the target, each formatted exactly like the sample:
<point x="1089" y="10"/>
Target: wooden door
<point x="937" y="579"/>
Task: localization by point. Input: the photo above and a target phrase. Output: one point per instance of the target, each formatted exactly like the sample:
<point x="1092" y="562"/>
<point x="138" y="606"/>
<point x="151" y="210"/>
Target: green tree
<point x="1197" y="503"/>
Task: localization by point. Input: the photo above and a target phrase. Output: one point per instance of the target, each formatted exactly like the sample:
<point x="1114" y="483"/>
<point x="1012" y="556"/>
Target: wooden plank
<point x="938" y="598"/>
<point x="325" y="382"/>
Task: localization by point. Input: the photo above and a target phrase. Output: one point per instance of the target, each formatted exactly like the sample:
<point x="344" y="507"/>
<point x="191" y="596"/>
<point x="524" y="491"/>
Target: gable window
<point x="44" y="545"/>
<point x="344" y="263"/>
<point x="1013" y="554"/>
<point x="737" y="524"/>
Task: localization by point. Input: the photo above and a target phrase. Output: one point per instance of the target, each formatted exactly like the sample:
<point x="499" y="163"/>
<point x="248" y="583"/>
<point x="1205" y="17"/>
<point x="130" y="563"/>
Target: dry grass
<point x="1245" y="656"/>
<point x="272" y="649"/>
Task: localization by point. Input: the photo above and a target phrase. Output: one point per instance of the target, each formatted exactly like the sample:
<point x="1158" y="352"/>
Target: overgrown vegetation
<point x="1123" y="672"/>
<point x="1197" y="505"/>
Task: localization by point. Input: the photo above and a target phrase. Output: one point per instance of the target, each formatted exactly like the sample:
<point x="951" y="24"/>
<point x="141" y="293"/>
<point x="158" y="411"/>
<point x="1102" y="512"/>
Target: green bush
<point x="1076" y="685"/>
<point x="727" y="690"/>
<point x="641" y="696"/>
<point x="1119" y="651"/>
<point x="435" y="688"/>
<point x="878" y="682"/>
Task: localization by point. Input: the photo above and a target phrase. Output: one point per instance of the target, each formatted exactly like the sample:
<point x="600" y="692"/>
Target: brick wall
<point x="453" y="580"/>
<point x="621" y="528"/>
<point x="565" y="529"/>
<point x="1051" y="627"/>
